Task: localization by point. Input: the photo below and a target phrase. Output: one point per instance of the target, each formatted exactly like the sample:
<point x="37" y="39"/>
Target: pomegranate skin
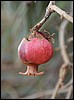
<point x="36" y="51"/>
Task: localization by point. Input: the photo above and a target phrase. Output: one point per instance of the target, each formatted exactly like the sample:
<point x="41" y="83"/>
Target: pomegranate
<point x="34" y="51"/>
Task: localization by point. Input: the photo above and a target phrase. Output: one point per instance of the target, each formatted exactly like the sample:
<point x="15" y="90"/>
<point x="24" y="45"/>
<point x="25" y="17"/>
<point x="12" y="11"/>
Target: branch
<point x="69" y="92"/>
<point x="64" y="54"/>
<point x="46" y="16"/>
<point x="62" y="42"/>
<point x="44" y="93"/>
<point x="62" y="13"/>
<point x="59" y="84"/>
<point x="50" y="9"/>
<point x="64" y="67"/>
<point x="68" y="84"/>
<point x="63" y="70"/>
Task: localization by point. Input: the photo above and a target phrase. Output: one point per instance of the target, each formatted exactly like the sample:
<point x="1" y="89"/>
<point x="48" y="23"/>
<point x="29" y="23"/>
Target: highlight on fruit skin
<point x="34" y="52"/>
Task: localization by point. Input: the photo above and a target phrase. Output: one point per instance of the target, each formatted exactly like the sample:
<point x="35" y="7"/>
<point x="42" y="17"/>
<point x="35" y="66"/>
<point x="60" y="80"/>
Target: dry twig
<point x="63" y="69"/>
<point x="59" y="84"/>
<point x="50" y="9"/>
<point x="44" y="93"/>
<point x="46" y="16"/>
<point x="62" y="13"/>
<point x="70" y="92"/>
<point x="61" y="41"/>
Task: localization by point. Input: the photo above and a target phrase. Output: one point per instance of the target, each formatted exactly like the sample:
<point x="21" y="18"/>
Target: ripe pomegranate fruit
<point x="34" y="51"/>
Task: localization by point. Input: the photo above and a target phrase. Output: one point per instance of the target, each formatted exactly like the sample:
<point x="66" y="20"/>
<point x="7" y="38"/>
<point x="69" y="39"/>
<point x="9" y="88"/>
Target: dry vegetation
<point x="17" y="18"/>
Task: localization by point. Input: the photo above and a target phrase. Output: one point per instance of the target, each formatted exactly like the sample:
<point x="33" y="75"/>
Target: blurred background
<point x="17" y="17"/>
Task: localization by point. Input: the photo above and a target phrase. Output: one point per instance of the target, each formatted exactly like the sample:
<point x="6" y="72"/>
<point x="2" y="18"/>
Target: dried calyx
<point x="35" y="50"/>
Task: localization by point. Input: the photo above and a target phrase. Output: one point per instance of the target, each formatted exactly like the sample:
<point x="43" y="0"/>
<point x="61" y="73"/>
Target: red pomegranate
<point x="34" y="52"/>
